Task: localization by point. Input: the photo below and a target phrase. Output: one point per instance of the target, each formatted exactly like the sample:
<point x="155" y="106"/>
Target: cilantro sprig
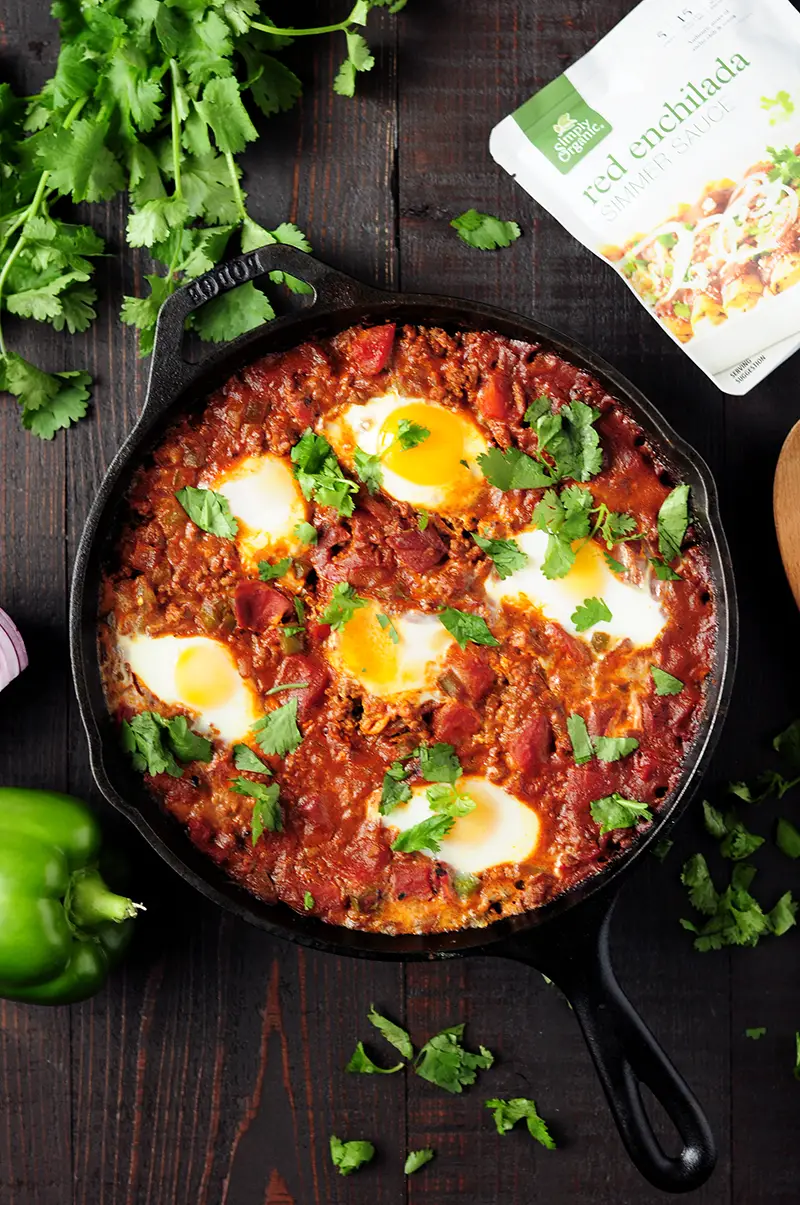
<point x="484" y="231"/>
<point x="156" y="744"/>
<point x="568" y="446"/>
<point x="570" y="517"/>
<point x="343" y="604"/>
<point x="319" y="473"/>
<point x="506" y="555"/>
<point x="508" y="1112"/>
<point x="156" y="101"/>
<point x="348" y="1157"/>
<point x="733" y="917"/>
<point x="266" y="805"/>
<point x="444" y="1061"/>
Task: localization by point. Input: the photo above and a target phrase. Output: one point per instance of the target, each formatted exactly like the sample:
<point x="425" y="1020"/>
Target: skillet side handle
<point x="624" y="1051"/>
<point x="168" y="369"/>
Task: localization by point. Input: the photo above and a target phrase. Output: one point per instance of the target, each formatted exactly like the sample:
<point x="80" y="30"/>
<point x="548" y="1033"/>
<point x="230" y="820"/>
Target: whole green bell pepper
<point x="61" y="927"/>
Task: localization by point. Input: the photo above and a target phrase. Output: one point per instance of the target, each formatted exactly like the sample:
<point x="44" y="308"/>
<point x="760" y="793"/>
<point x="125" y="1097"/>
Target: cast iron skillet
<point x="567" y="939"/>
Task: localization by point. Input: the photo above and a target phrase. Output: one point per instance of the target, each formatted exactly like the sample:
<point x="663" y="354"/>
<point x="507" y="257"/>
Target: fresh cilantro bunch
<point x="157" y="99"/>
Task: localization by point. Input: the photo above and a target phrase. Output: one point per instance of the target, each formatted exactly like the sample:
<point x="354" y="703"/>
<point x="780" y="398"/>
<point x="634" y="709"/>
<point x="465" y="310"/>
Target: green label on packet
<point x="561" y="125"/>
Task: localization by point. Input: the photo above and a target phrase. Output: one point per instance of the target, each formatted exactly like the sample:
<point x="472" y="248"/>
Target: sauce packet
<point x="672" y="151"/>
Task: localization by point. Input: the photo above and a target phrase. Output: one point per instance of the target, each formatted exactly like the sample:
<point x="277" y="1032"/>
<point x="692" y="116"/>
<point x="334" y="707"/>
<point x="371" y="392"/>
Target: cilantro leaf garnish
<point x="465" y="627"/>
<point x="245" y="759"/>
<point x="663" y="571"/>
<point x="277" y="732"/>
<point x="737" y="842"/>
<point x="582" y="749"/>
<point x="613" y="812"/>
<point x="306" y="533"/>
<point x="508" y="1112"/>
<point x="308" y="901"/>
<point x="393" y="1033"/>
<point x="395" y="789"/>
<point x="443" y="797"/>
<point x="410" y="435"/>
<point x="591" y="612"/>
<point x="444" y="1061"/>
<point x="344" y="603"/>
<point x="757" y="1032"/>
<point x="661" y="848"/>
<point x="665" y="684"/>
<point x="673" y="519"/>
<point x="612" y="748"/>
<point x="439" y="763"/>
<point x="512" y="470"/>
<point x="787" y="838"/>
<point x="348" y="1157"/>
<point x="507" y="555"/>
<point x="266" y="807"/>
<point x="465" y="883"/>
<point x="484" y="231"/>
<point x="156" y="744"/>
<point x="361" y="1063"/>
<point x="568" y="439"/>
<point x="368" y="468"/>
<point x="276" y="690"/>
<point x="319" y="474"/>
<point x="387" y="626"/>
<point x="425" y="836"/>
<point x="209" y="510"/>
<point x="423" y="519"/>
<point x="269" y="572"/>
<point x="417" y="1159"/>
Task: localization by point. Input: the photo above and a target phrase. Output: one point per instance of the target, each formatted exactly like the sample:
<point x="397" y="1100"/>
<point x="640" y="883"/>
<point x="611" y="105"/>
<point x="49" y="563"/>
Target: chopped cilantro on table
<point x="787" y="838"/>
<point x="736" y="842"/>
<point x="411" y="435"/>
<point x="591" y="612"/>
<point x="734" y="916"/>
<point x="344" y="603"/>
<point x="266" y="805"/>
<point x="277" y="732"/>
<point x="157" y="744"/>
<point x="348" y="1157"/>
<point x="395" y="1034"/>
<point x="484" y="231"/>
<point x="319" y="473"/>
<point x="395" y="789"/>
<point x="368" y="468"/>
<point x="306" y="533"/>
<point x="756" y="1033"/>
<point x="508" y="1112"/>
<point x="417" y="1159"/>
<point x="665" y="684"/>
<point x="245" y="759"/>
<point x="466" y="628"/>
<point x="270" y="572"/>
<point x="662" y="848"/>
<point x="796" y="1070"/>
<point x="444" y="1061"/>
<point x="613" y="812"/>
<point x="361" y="1063"/>
<point x="209" y="510"/>
<point x="506" y="555"/>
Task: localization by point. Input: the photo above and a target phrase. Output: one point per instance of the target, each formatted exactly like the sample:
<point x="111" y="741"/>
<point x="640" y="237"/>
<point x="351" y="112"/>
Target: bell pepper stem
<point x="91" y="902"/>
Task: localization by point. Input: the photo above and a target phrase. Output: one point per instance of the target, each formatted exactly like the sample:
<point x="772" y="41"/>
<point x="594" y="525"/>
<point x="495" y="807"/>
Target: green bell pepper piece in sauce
<point x="61" y="928"/>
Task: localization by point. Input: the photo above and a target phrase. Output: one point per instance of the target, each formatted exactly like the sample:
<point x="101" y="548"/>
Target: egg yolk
<point x="588" y="575"/>
<point x="437" y="459"/>
<point x="367" y="649"/>
<point x="205" y="677"/>
<point x="487" y="819"/>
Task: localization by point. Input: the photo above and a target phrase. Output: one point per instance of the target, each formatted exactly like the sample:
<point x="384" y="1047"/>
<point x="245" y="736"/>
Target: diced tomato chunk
<point x="372" y="348"/>
<point x="531" y="745"/>
<point x="308" y="668"/>
<point x="260" y="606"/>
<point x="413" y="877"/>
<point x="495" y="398"/>
<point x="318" y="632"/>
<point x="473" y="672"/>
<point x="455" y="722"/>
<point x="418" y="550"/>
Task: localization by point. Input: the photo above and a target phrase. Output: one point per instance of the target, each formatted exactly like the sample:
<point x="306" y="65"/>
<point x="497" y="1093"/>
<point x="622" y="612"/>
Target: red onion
<point x="13" y="657"/>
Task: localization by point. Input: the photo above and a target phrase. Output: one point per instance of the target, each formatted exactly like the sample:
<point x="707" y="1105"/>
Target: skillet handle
<point x="625" y="1053"/>
<point x="331" y="288"/>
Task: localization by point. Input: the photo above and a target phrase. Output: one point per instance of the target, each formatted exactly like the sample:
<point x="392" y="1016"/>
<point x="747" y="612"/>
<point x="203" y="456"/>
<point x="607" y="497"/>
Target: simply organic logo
<point x="577" y="126"/>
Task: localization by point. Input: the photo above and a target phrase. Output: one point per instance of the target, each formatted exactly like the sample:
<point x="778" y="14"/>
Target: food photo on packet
<point x="397" y="624"/>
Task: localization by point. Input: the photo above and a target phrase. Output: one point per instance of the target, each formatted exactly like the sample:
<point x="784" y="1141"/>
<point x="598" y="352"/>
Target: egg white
<point x="501" y="829"/>
<point x="430" y="475"/>
<point x="635" y="614"/>
<point x="364" y="650"/>
<point x="267" y="503"/>
<point x="198" y="674"/>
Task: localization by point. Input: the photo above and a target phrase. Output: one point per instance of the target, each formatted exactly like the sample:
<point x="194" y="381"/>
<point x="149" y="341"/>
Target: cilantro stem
<point x="237" y="192"/>
<point x="175" y="122"/>
<point x="340" y="27"/>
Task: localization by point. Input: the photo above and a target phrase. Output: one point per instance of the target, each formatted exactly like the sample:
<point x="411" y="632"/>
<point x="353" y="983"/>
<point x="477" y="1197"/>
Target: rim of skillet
<point x="190" y="388"/>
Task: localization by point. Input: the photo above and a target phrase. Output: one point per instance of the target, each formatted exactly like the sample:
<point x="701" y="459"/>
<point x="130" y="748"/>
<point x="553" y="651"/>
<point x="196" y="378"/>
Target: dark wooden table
<point x="211" y="1070"/>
